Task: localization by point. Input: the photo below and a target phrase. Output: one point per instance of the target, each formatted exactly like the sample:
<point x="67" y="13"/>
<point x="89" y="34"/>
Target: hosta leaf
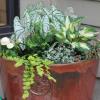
<point x="72" y="27"/>
<point x="84" y="46"/>
<point x="67" y="22"/>
<point x="88" y="35"/>
<point x="80" y="45"/>
<point x="88" y="29"/>
<point x="72" y="36"/>
<point x="59" y="37"/>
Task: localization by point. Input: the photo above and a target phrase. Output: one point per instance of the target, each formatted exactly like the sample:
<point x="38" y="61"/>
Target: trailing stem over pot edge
<point x="44" y="36"/>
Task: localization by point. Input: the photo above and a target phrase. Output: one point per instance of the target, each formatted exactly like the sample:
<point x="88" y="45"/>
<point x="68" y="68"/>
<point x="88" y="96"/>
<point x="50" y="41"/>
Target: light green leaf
<point x="19" y="63"/>
<point x="80" y="45"/>
<point x="72" y="36"/>
<point x="84" y="46"/>
<point x="51" y="78"/>
<point x="67" y="23"/>
<point x="25" y="95"/>
<point x="40" y="71"/>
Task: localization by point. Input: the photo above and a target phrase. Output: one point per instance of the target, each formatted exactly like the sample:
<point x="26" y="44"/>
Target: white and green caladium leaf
<point x="19" y="29"/>
<point x="26" y="21"/>
<point x="34" y="12"/>
<point x="57" y="17"/>
<point x="19" y="32"/>
<point x="80" y="45"/>
<point x="58" y="14"/>
<point x="46" y="26"/>
<point x="22" y="27"/>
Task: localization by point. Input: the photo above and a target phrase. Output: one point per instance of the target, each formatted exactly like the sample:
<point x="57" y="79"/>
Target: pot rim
<point x="61" y="64"/>
<point x="79" y="62"/>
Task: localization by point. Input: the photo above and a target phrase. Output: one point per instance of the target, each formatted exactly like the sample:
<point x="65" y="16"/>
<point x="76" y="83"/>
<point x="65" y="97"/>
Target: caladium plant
<point x="34" y="15"/>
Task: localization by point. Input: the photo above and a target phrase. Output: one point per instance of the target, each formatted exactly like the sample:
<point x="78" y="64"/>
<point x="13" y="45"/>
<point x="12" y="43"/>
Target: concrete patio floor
<point x="97" y="90"/>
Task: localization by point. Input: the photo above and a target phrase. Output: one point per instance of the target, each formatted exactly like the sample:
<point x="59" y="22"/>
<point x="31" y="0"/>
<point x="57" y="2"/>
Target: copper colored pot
<point x="74" y="81"/>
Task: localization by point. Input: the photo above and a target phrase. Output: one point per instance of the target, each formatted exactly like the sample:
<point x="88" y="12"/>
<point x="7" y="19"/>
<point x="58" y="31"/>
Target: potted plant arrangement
<point x="50" y="56"/>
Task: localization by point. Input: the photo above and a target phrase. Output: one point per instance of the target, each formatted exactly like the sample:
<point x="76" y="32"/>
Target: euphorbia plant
<point x="44" y="37"/>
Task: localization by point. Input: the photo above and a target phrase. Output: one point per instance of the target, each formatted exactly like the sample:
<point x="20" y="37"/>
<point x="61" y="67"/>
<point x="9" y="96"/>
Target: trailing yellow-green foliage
<point x="32" y="65"/>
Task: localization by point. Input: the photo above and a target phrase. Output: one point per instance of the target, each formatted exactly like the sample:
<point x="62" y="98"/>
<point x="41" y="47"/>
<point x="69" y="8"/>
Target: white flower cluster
<point x="7" y="42"/>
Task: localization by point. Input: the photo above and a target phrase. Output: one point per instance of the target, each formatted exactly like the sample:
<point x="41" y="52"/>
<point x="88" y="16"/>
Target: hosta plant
<point x="44" y="36"/>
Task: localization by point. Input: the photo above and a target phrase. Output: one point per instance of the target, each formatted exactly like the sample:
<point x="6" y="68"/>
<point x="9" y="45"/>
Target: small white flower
<point x="5" y="41"/>
<point x="10" y="45"/>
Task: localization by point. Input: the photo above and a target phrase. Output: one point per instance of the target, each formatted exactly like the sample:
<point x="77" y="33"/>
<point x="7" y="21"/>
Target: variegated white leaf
<point x="18" y="29"/>
<point x="45" y="24"/>
<point x="26" y="22"/>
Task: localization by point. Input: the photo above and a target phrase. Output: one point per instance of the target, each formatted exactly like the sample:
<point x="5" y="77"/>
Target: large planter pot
<point x="74" y="82"/>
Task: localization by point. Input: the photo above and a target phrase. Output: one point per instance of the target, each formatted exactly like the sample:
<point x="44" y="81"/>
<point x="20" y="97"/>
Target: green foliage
<point x="77" y="37"/>
<point x="7" y="52"/>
